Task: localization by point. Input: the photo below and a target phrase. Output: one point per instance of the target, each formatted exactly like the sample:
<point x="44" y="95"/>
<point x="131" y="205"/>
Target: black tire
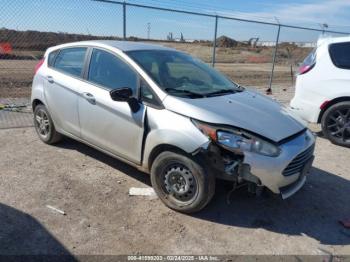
<point x="197" y="188"/>
<point x="336" y="124"/>
<point x="44" y="126"/>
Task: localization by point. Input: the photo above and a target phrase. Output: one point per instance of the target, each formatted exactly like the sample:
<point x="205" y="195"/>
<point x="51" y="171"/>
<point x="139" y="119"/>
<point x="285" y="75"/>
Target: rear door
<point x="63" y="81"/>
<point x="105" y="123"/>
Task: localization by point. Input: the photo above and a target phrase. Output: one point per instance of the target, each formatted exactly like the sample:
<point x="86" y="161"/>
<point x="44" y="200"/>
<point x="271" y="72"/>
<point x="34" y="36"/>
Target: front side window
<point x="70" y="60"/>
<point x="109" y="71"/>
<point x="181" y="74"/>
<point x="340" y="54"/>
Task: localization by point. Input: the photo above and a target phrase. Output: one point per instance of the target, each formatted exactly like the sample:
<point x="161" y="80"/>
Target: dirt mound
<point x="224" y="41"/>
<point x="16" y="57"/>
<point x="35" y="40"/>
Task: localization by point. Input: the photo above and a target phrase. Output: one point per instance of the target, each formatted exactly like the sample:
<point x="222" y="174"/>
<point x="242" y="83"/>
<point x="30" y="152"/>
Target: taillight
<point x="305" y="68"/>
<point x="308" y="63"/>
<point x="38" y="65"/>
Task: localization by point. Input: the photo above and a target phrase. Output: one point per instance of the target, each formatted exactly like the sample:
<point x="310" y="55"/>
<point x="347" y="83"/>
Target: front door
<point x="105" y="123"/>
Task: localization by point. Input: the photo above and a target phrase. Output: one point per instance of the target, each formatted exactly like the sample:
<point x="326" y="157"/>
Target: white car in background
<point x="322" y="93"/>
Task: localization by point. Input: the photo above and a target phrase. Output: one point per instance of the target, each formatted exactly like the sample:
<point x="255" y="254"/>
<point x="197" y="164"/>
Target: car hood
<point x="247" y="110"/>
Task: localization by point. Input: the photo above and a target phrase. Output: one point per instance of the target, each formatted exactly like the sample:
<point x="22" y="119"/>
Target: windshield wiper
<point x="222" y="91"/>
<point x="193" y="94"/>
<point x="240" y="88"/>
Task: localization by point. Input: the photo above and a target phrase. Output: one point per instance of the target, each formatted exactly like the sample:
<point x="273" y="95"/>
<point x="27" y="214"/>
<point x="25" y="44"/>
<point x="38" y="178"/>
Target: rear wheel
<point x="336" y="124"/>
<point x="181" y="182"/>
<point x="44" y="126"/>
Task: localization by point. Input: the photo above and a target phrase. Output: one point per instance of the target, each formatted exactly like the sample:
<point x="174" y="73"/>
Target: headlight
<point x="246" y="143"/>
<point x="236" y="141"/>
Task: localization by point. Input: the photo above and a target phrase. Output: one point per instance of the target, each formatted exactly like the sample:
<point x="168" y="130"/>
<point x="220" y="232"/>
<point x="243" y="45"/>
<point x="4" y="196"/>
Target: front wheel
<point x="336" y="124"/>
<point x="181" y="182"/>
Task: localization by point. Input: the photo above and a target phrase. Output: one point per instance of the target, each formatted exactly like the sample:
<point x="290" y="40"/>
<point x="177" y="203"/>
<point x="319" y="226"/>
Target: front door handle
<point x="90" y="98"/>
<point x="50" y="79"/>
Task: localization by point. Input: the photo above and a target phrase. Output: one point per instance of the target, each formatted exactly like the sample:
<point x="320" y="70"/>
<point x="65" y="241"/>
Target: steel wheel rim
<point x="338" y="124"/>
<point x="179" y="183"/>
<point x="42" y="123"/>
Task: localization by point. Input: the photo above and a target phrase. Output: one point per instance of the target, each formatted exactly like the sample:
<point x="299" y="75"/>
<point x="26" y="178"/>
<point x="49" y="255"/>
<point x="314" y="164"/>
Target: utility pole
<point x="214" y="41"/>
<point x="124" y="20"/>
<point x="148" y="30"/>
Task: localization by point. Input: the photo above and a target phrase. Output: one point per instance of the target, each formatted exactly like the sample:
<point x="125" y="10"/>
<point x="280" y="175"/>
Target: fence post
<point x="214" y="41"/>
<point x="269" y="90"/>
<point x="124" y="20"/>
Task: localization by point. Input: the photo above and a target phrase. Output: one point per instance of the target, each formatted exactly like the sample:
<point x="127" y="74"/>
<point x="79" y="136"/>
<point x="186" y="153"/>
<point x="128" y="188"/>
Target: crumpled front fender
<point x="169" y="128"/>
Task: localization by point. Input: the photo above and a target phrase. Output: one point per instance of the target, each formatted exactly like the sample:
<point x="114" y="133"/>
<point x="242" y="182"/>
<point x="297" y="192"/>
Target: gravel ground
<point x="20" y="115"/>
<point x="101" y="218"/>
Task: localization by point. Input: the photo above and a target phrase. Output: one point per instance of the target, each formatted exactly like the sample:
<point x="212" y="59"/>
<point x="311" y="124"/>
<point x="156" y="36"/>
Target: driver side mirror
<point x="121" y="94"/>
<point x="124" y="94"/>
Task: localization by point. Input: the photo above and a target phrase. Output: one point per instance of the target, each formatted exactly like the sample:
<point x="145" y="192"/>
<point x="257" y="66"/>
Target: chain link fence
<point x="263" y="55"/>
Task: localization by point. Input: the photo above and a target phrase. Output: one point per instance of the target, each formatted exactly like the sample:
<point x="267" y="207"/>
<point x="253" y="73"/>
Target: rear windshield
<point x="340" y="54"/>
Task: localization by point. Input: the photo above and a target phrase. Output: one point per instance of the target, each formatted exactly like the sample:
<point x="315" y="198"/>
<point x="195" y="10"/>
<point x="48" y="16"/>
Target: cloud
<point x="333" y="12"/>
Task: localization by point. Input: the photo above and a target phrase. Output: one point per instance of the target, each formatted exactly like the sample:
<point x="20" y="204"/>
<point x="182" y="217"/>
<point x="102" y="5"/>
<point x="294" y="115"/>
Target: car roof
<point x="331" y="40"/>
<point x="121" y="45"/>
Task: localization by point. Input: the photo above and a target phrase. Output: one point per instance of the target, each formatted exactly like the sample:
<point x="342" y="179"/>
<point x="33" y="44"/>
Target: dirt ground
<point x="101" y="218"/>
<point x="16" y="76"/>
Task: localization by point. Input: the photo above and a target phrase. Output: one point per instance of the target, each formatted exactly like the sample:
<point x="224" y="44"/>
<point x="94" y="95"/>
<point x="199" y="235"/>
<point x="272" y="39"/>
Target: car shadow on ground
<point x="71" y="144"/>
<point x="314" y="211"/>
<point x="320" y="134"/>
<point x="23" y="235"/>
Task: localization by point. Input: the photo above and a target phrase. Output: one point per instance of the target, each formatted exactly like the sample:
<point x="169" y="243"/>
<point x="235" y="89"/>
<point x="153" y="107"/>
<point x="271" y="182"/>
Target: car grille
<point x="296" y="166"/>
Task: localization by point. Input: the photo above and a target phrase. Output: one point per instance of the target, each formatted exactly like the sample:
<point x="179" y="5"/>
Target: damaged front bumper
<point x="291" y="189"/>
<point x="284" y="174"/>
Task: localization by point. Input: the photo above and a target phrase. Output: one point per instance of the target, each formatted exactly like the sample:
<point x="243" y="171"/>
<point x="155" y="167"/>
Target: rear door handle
<point x="50" y="79"/>
<point x="89" y="97"/>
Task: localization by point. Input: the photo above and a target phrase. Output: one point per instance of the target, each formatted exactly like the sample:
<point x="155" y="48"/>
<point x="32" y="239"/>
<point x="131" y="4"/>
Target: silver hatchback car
<point x="172" y="116"/>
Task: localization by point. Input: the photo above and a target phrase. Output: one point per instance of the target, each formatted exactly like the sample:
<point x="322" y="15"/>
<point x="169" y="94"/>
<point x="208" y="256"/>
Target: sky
<point x="89" y="17"/>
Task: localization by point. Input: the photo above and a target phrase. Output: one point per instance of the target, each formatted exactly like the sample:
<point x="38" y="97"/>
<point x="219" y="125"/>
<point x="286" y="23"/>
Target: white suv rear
<point x="322" y="93"/>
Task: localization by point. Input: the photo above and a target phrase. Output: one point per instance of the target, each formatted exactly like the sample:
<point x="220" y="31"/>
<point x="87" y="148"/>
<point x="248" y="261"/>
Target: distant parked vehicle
<point x="322" y="93"/>
<point x="172" y="116"/>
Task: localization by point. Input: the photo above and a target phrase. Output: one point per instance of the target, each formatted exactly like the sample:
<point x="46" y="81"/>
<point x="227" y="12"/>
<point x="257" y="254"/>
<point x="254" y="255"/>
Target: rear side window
<point x="340" y="54"/>
<point x="111" y="72"/>
<point x="51" y="58"/>
<point x="71" y="60"/>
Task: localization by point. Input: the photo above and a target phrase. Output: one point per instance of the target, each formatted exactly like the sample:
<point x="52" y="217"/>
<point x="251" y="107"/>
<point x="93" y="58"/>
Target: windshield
<point x="182" y="75"/>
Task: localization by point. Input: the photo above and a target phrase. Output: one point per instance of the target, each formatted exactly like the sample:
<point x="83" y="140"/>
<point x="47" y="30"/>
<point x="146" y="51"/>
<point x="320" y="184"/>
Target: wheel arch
<point x="160" y="149"/>
<point x="331" y="103"/>
<point x="36" y="102"/>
